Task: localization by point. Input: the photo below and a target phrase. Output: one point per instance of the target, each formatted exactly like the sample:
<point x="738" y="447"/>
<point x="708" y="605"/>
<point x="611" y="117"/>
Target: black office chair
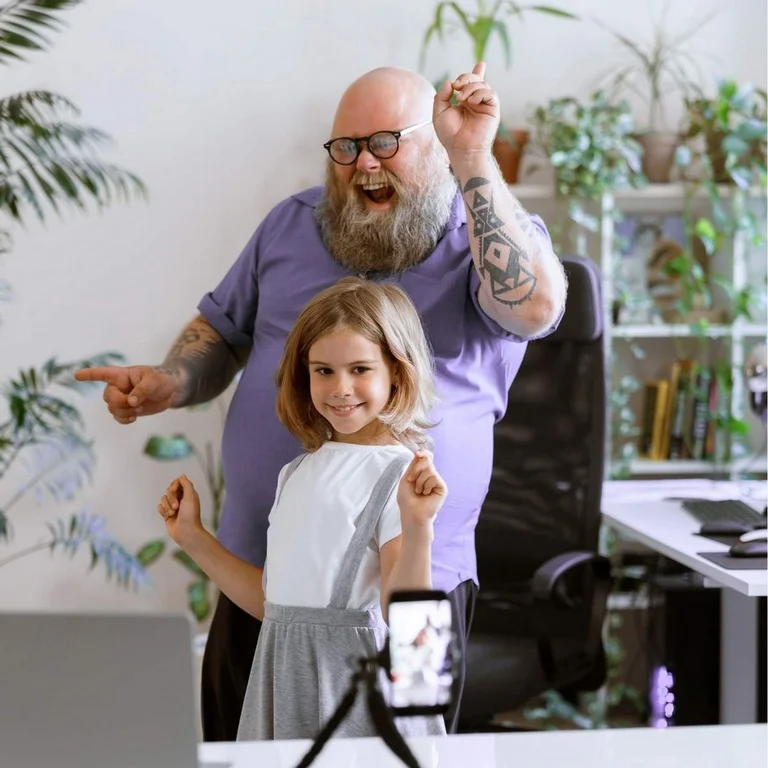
<point x="543" y="587"/>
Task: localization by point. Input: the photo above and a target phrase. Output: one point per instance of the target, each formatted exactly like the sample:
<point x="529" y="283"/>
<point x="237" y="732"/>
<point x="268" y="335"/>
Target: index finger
<point x="110" y="374"/>
<point x="479" y="69"/>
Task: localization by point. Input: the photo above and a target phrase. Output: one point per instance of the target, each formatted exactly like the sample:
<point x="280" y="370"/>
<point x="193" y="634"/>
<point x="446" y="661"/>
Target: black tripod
<point x="367" y="675"/>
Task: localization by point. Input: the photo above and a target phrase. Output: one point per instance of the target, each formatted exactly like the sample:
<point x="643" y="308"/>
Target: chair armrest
<point x="544" y="583"/>
<point x="548" y="585"/>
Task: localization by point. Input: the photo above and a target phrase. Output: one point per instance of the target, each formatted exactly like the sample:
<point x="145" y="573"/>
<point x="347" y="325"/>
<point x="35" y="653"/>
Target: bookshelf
<point x="733" y="340"/>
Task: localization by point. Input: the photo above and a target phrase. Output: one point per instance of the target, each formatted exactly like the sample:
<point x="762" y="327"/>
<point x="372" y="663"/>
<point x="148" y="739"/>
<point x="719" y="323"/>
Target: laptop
<point x="97" y="691"/>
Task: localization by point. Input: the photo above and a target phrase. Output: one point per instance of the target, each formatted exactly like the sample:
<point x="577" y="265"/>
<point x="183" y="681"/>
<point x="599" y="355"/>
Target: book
<point x="700" y="416"/>
<point x="654" y="409"/>
<point x="681" y="409"/>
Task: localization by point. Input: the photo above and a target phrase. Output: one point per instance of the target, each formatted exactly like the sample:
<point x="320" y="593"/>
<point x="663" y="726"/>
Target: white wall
<point x="222" y="109"/>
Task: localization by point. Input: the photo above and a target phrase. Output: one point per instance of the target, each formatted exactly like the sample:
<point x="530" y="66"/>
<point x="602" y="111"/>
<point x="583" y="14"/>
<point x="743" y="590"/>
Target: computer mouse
<point x="760" y="533"/>
<point x="724" y="528"/>
<point x="749" y="549"/>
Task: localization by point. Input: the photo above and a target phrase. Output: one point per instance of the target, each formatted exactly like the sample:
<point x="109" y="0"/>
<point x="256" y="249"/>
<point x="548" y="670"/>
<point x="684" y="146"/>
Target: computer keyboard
<point x="710" y="510"/>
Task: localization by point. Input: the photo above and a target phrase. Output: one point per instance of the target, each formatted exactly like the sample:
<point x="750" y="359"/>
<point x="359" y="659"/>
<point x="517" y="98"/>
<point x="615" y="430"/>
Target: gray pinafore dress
<point x="305" y="657"/>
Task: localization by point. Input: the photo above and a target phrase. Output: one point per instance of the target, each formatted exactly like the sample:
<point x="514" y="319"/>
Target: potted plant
<point x="724" y="156"/>
<point x="726" y="134"/>
<point x="488" y="20"/>
<point x="592" y="148"/>
<point x="655" y="69"/>
<point x="48" y="162"/>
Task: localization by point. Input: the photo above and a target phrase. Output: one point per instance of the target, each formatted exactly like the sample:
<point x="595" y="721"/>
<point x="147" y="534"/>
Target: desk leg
<point x="738" y="658"/>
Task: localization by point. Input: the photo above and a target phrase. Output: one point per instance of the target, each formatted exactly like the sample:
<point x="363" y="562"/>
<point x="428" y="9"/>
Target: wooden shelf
<point x="661" y="331"/>
<point x="694" y="468"/>
<point x="672" y="191"/>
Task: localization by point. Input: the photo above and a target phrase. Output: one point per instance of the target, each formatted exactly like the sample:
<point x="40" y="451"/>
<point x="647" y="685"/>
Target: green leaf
<point x="151" y="552"/>
<point x="87" y="530"/>
<point x="5" y="529"/>
<point x="741" y="177"/>
<point x="197" y="594"/>
<point x="436" y="28"/>
<point x="170" y="448"/>
<point x="737" y="427"/>
<point x="182" y="557"/>
<point x="22" y="24"/>
<point x="707" y="233"/>
<point x="551" y="11"/>
<point x="683" y="156"/>
<point x="677" y="267"/>
<point x="501" y="30"/>
<point x="734" y="145"/>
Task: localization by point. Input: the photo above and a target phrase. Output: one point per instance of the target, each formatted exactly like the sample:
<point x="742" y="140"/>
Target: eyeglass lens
<point x="382" y="145"/>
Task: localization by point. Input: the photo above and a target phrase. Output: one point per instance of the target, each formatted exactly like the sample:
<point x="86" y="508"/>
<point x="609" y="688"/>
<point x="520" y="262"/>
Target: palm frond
<point x="26" y="24"/>
<point x="85" y="529"/>
<point x="37" y="413"/>
<point x="33" y="107"/>
<point x="59" y="467"/>
<point x="49" y="160"/>
<point x="54" y="161"/>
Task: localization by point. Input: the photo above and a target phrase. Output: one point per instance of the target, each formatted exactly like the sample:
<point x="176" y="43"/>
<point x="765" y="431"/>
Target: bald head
<point x="387" y="98"/>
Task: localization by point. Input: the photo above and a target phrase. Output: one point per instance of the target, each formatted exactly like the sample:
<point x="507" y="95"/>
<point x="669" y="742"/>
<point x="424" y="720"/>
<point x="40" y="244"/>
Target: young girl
<point x="352" y="519"/>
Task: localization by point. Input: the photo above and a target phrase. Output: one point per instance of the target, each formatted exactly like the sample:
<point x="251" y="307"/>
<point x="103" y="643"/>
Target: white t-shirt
<point x="314" y="520"/>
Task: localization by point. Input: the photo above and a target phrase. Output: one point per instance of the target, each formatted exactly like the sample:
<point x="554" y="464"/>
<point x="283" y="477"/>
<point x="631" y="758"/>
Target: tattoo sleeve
<point x="204" y="362"/>
<point x="501" y="258"/>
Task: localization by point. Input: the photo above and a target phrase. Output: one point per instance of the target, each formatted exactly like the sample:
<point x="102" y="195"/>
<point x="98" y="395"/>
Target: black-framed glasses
<point x="345" y="150"/>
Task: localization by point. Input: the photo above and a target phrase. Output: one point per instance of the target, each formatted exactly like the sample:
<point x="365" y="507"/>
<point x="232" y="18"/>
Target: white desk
<point x="639" y="510"/>
<point x="722" y="746"/>
<point x="665" y="527"/>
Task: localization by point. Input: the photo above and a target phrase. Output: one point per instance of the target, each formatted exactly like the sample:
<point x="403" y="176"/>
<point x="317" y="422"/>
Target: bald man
<point x="412" y="195"/>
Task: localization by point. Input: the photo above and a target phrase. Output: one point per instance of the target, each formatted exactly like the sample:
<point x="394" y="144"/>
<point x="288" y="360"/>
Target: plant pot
<point x="508" y="147"/>
<point x="714" y="143"/>
<point x="658" y="154"/>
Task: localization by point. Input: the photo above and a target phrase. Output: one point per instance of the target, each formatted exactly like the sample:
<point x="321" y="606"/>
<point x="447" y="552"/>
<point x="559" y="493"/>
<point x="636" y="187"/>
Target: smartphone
<point x="422" y="653"/>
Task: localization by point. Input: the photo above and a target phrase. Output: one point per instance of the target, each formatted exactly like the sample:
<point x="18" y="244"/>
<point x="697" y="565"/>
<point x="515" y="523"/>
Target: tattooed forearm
<point x="501" y="260"/>
<point x="203" y="361"/>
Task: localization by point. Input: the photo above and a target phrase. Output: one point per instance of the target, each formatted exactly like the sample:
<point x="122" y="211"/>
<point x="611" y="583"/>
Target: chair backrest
<point x="549" y="448"/>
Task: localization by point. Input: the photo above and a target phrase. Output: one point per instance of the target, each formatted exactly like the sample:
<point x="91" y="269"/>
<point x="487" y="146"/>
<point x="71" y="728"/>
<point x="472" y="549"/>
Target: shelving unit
<point x="650" y="331"/>
<point x="659" y="199"/>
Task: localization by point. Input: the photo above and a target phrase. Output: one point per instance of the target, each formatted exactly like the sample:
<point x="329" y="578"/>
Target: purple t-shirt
<point x="283" y="266"/>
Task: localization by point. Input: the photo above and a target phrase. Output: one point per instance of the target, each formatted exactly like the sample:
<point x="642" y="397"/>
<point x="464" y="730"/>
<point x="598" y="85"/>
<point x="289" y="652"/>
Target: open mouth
<point x="378" y="193"/>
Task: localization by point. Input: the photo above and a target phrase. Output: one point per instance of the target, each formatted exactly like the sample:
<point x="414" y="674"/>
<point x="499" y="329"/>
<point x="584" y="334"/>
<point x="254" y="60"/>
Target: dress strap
<point x="384" y="488"/>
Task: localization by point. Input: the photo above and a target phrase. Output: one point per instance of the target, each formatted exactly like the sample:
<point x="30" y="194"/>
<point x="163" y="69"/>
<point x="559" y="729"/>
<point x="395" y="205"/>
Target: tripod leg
<point x="333" y="723"/>
<point x="385" y="723"/>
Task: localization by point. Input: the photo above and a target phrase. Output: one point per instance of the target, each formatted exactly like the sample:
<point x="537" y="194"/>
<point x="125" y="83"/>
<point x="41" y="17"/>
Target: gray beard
<point x="372" y="242"/>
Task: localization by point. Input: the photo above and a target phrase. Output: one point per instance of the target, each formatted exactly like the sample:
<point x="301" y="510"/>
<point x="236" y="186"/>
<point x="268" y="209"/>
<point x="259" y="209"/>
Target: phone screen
<point x="422" y="652"/>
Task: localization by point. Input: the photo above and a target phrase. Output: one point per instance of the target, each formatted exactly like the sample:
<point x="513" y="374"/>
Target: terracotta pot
<point x="658" y="154"/>
<point x="508" y="154"/>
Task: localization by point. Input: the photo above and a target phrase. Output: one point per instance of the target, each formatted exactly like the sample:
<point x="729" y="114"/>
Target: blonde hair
<point x="383" y="314"/>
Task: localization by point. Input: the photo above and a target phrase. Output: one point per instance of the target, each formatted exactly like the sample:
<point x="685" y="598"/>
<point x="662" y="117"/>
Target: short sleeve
<point x="231" y="307"/>
<point x="389" y="525"/>
<point x="279" y="488"/>
<point x="490" y="323"/>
